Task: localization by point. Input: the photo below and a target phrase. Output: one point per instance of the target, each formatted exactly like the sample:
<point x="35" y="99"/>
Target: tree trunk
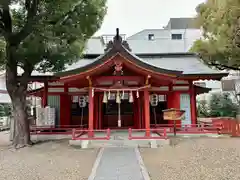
<point x="21" y="135"/>
<point x="18" y="93"/>
<point x="17" y="90"/>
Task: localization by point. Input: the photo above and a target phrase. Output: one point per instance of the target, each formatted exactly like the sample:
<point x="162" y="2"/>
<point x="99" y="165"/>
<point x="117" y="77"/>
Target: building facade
<point x="119" y="88"/>
<point x="178" y="36"/>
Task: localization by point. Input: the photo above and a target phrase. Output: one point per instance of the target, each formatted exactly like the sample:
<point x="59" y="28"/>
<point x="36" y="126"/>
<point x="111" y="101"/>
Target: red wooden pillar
<point x="139" y="116"/>
<point x="147" y="112"/>
<point x="135" y="111"/>
<point x="90" y="111"/>
<point x="65" y="108"/>
<point x="100" y="115"/>
<point x="170" y="101"/>
<point x="96" y="112"/>
<point x="193" y="104"/>
<point x="45" y="95"/>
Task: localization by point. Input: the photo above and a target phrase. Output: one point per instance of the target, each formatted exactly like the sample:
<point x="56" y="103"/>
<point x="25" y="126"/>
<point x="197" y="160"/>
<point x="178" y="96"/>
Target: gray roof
<point x="182" y="23"/>
<point x="186" y="63"/>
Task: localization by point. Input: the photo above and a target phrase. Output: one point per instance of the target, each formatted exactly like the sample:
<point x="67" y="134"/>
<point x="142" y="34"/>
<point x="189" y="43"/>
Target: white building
<point x="4" y="97"/>
<point x="178" y="36"/>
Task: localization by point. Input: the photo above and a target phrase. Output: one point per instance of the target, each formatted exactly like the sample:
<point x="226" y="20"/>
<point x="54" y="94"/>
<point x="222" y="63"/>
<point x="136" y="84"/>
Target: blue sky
<point x="132" y="16"/>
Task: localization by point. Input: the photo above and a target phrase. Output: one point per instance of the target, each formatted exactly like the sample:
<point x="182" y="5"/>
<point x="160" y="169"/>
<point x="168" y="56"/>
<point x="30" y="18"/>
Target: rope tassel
<point x="92" y="92"/>
<point x="105" y="100"/>
<point x="137" y="94"/>
<point x="122" y="95"/>
<point x="131" y="97"/>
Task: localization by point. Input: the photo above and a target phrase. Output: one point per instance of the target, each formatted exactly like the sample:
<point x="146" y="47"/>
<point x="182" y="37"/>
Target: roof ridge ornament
<point x="117" y="42"/>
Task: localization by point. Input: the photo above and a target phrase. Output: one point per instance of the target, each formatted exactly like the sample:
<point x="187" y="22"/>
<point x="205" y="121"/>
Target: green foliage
<point x="5" y="110"/>
<point x="202" y="108"/>
<point x="220" y="23"/>
<point x="56" y="34"/>
<point x="219" y="105"/>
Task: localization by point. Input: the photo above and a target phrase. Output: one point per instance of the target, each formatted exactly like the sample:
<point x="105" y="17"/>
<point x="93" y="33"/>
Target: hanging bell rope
<point x="118" y="99"/>
<point x="109" y="95"/>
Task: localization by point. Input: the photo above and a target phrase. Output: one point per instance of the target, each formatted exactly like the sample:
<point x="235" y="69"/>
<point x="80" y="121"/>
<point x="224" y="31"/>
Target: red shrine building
<point x="119" y="89"/>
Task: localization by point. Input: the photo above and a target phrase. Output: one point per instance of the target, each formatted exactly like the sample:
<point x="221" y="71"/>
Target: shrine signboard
<point x="173" y="115"/>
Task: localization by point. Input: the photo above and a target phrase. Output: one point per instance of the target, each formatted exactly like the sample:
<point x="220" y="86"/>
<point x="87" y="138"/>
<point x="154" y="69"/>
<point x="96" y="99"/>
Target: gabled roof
<point x="119" y="47"/>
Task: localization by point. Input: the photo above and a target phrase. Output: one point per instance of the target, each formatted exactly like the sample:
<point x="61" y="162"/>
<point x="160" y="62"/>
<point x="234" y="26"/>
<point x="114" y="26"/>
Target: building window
<point x="150" y="37"/>
<point x="176" y="36"/>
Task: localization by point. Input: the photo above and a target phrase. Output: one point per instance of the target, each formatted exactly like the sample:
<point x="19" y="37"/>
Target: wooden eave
<point x="193" y="77"/>
<point x="201" y="90"/>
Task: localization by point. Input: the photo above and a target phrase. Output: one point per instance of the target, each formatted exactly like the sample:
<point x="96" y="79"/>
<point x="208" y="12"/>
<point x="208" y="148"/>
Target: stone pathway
<point x="118" y="163"/>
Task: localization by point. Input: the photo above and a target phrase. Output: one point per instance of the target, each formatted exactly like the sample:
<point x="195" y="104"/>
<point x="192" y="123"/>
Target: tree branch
<point x="5" y="22"/>
<point x="64" y="17"/>
<point x="32" y="7"/>
<point x="222" y="66"/>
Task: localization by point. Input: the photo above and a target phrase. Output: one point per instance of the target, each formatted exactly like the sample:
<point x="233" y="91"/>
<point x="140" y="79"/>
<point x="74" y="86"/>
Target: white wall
<point x="4" y="98"/>
<point x="164" y="36"/>
<point x="189" y="37"/>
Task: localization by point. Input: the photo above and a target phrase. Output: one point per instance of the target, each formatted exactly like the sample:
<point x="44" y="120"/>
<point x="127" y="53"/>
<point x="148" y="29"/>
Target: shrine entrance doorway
<point x="118" y="115"/>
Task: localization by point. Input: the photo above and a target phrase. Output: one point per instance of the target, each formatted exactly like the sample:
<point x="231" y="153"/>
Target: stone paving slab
<point x="119" y="164"/>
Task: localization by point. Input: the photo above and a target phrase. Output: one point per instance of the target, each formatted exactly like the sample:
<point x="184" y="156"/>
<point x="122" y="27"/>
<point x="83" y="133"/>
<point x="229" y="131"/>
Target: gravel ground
<point x="195" y="159"/>
<point x="53" y="160"/>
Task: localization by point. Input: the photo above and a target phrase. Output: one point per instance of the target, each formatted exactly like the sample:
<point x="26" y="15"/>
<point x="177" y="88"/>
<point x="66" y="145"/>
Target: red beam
<point x="68" y="93"/>
<point x="181" y="85"/>
<point x="119" y="78"/>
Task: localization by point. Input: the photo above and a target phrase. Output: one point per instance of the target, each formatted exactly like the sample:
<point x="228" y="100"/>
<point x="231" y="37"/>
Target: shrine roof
<point x="188" y="63"/>
<point x="117" y="47"/>
<point x="180" y="64"/>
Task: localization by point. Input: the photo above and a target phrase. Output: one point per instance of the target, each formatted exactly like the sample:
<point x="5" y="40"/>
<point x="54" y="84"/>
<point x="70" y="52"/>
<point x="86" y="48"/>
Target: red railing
<point x="77" y="134"/>
<point x="191" y="128"/>
<point x="161" y="134"/>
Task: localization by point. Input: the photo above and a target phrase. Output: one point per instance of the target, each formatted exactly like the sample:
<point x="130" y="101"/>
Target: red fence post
<point x="73" y="134"/>
<point x="234" y="132"/>
<point x="108" y="134"/>
<point x="129" y="133"/>
<point x="165" y="133"/>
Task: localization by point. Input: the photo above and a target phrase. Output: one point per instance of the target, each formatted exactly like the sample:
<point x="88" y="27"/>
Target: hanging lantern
<point x="131" y="97"/>
<point x="122" y="95"/>
<point x="118" y="99"/>
<point x="137" y="94"/>
<point x="105" y="100"/>
<point x="109" y="95"/>
<point x="82" y="101"/>
<point x="154" y="99"/>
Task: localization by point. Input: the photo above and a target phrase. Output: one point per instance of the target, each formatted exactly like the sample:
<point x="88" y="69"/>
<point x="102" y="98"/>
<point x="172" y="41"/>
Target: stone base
<point x="119" y="143"/>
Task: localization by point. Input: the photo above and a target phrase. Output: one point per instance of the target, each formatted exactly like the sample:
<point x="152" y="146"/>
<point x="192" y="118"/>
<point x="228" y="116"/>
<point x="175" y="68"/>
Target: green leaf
<point x="220" y="22"/>
<point x="58" y="32"/>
